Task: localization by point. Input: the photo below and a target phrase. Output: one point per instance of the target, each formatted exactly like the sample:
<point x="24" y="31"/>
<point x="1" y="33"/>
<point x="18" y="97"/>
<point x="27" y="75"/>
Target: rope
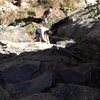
<point x="58" y="37"/>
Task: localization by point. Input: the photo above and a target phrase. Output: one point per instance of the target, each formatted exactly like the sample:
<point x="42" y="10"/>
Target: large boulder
<point x="36" y="85"/>
<point x="14" y="34"/>
<point x="19" y="72"/>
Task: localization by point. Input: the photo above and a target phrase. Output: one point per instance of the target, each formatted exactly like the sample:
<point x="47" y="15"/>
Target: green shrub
<point x="31" y="30"/>
<point x="68" y="6"/>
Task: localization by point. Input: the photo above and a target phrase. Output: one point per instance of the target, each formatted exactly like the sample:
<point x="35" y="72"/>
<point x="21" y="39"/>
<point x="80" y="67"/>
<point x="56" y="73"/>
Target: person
<point x="50" y="10"/>
<point x="47" y="15"/>
<point x="42" y="34"/>
<point x="44" y="19"/>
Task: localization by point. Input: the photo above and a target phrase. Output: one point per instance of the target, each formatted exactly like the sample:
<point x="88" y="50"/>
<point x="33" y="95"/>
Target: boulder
<point x="75" y="92"/>
<point x="19" y="72"/>
<point x="14" y="34"/>
<point x="36" y="85"/>
<point x="40" y="96"/>
<point x="74" y="75"/>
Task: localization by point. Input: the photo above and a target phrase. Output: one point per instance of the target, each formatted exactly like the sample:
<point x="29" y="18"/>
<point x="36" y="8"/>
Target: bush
<point x="68" y="6"/>
<point x="31" y="29"/>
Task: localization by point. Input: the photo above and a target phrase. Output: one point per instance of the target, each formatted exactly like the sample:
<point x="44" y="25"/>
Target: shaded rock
<point x="74" y="75"/>
<point x="41" y="96"/>
<point x="19" y="72"/>
<point x="82" y="22"/>
<point x="94" y="33"/>
<point x="36" y="85"/>
<point x="75" y="92"/>
<point x="66" y="31"/>
<point x="6" y="56"/>
<point x="95" y="77"/>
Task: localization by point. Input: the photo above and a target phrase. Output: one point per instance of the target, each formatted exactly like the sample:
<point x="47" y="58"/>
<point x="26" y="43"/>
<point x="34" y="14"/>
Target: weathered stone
<point x="95" y="77"/>
<point x="94" y="33"/>
<point x="36" y="85"/>
<point x="17" y="48"/>
<point x="20" y="72"/>
<point x="14" y="34"/>
<point x="82" y="22"/>
<point x="41" y="96"/>
<point x="73" y="76"/>
<point x="75" y="92"/>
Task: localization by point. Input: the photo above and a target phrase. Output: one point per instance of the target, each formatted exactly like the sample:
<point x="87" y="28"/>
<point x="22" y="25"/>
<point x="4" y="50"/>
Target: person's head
<point x="48" y="32"/>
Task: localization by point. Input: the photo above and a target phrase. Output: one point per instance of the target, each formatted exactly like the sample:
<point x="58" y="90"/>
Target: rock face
<point x="14" y="34"/>
<point x="81" y="21"/>
<point x="36" y="75"/>
<point x="7" y="47"/>
<point x="30" y="87"/>
<point x="20" y="72"/>
<point x="94" y="33"/>
<point x="74" y="92"/>
<point x="41" y="96"/>
<point x="40" y="71"/>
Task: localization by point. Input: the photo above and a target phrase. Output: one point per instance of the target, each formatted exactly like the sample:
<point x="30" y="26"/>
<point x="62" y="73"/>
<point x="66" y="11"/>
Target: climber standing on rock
<point x="47" y="15"/>
<point x="42" y="34"/>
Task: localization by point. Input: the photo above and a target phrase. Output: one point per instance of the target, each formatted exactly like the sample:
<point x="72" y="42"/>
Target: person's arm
<point x="45" y="38"/>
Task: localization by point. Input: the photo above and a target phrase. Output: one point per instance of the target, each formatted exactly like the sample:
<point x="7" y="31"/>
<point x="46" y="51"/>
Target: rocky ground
<point x="51" y="74"/>
<point x="38" y="71"/>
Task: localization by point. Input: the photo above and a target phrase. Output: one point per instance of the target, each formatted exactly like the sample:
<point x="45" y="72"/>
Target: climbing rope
<point x="61" y="38"/>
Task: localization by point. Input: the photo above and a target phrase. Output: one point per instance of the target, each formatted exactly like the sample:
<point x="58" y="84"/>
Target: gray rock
<point x="76" y="92"/>
<point x="40" y="96"/>
<point x="95" y="77"/>
<point x="20" y="72"/>
<point x="14" y="34"/>
<point x="95" y="33"/>
<point x="74" y="75"/>
<point x="36" y="85"/>
<point x="82" y="22"/>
